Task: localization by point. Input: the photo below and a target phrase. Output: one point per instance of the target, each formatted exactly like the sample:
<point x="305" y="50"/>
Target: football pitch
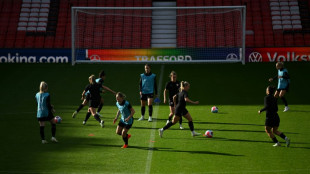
<point x="239" y="145"/>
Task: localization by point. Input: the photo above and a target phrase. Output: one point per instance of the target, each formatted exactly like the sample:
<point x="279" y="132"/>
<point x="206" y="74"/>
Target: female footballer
<point x="180" y="109"/>
<point x="86" y="97"/>
<point x="272" y="118"/>
<point x="45" y="111"/>
<point x="283" y="83"/>
<point x="173" y="86"/>
<point x="126" y="121"/>
<point x="147" y="88"/>
<point x="95" y="98"/>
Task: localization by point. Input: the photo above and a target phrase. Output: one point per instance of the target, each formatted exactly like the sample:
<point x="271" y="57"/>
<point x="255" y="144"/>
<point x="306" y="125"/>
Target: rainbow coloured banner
<point x="284" y="54"/>
<point x="162" y="55"/>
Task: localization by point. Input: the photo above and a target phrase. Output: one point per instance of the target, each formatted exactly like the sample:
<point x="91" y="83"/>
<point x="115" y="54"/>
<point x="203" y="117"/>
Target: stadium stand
<point x="269" y="23"/>
<point x="47" y="24"/>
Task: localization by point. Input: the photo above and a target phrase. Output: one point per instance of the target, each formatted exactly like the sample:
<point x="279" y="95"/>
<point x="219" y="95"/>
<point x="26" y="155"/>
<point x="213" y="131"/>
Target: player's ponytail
<point x="92" y="79"/>
<point x="43" y="87"/>
<point x="102" y="73"/>
<point x="121" y="95"/>
<point x="183" y="85"/>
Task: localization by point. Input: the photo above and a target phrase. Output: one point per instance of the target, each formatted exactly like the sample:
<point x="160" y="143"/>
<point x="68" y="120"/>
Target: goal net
<point x="158" y="34"/>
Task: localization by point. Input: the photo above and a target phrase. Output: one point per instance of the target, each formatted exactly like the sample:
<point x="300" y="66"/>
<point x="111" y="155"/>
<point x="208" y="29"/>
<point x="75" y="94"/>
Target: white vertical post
<point x="72" y="35"/>
<point x="243" y="33"/>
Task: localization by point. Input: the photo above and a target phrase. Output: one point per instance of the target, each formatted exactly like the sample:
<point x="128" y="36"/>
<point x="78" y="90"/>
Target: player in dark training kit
<point x="45" y="111"/>
<point x="173" y="86"/>
<point x="147" y="88"/>
<point x="283" y="83"/>
<point x="126" y="121"/>
<point x="95" y="98"/>
<point x="272" y="122"/>
<point x="86" y="97"/>
<point x="180" y="109"/>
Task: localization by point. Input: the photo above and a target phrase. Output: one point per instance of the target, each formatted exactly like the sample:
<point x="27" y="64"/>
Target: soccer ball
<point x="57" y="119"/>
<point x="214" y="109"/>
<point x="208" y="134"/>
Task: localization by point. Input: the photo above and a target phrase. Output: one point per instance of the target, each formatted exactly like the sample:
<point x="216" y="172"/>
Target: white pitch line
<point x="153" y="131"/>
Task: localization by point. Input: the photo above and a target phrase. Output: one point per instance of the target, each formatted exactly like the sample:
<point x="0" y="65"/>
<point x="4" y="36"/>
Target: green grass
<point x="239" y="145"/>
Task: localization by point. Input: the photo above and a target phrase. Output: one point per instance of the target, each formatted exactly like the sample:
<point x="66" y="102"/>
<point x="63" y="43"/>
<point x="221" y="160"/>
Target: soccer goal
<point x="158" y="34"/>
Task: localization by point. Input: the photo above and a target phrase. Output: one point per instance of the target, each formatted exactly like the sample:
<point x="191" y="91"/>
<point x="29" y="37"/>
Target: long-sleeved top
<point x="271" y="106"/>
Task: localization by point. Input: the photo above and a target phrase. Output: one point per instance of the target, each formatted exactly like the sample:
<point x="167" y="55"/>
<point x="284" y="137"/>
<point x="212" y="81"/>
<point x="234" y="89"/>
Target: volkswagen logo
<point x="232" y="56"/>
<point x="255" y="57"/>
<point x="94" y="57"/>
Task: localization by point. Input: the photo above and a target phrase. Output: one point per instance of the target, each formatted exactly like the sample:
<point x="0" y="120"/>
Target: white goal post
<point x="158" y="34"/>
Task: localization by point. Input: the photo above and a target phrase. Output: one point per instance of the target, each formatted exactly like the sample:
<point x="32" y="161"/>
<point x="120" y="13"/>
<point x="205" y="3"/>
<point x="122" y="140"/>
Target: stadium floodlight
<point x="158" y="34"/>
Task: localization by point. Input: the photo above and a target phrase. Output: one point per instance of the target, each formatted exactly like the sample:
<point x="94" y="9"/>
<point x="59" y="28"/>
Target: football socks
<point x="142" y="110"/>
<point x="53" y="130"/>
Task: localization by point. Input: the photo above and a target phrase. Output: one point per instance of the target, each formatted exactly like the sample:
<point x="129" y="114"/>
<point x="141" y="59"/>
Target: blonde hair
<point x="43" y="87"/>
<point x="183" y="85"/>
<point x="172" y="73"/>
<point x="92" y="79"/>
<point x="281" y="64"/>
<point x="121" y="95"/>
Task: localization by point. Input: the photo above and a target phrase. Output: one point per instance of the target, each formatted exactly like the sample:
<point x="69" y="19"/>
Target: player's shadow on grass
<point x="308" y="148"/>
<point x="253" y="141"/>
<point x="203" y="152"/>
<point x="221" y="113"/>
<point x="233" y="130"/>
<point x="183" y="151"/>
<point x="237" y="124"/>
<point x="238" y="130"/>
<point x="239" y="140"/>
<point x="299" y="111"/>
<point x="165" y="149"/>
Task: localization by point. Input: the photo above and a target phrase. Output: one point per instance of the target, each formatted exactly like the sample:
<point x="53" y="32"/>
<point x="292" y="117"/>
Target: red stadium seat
<point x="278" y="39"/>
<point x="269" y="42"/>
<point x="249" y="40"/>
<point x="19" y="43"/>
<point x="307" y="39"/>
<point x="298" y="39"/>
<point x="49" y="42"/>
<point x="39" y="42"/>
<point x="29" y="42"/>
<point x="288" y="40"/>
<point x="135" y="32"/>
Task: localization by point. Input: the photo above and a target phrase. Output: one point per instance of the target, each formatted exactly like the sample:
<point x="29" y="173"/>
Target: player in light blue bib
<point x="45" y="111"/>
<point x="147" y="87"/>
<point x="283" y="83"/>
<point x="126" y="121"/>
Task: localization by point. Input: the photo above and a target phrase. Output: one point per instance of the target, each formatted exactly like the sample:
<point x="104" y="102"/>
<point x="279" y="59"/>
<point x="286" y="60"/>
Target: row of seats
<point x="259" y="26"/>
<point x="34" y="15"/>
<point x="209" y="30"/>
<point x="285" y="15"/>
<point x="130" y="31"/>
<point x="213" y="30"/>
<point x="115" y="32"/>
